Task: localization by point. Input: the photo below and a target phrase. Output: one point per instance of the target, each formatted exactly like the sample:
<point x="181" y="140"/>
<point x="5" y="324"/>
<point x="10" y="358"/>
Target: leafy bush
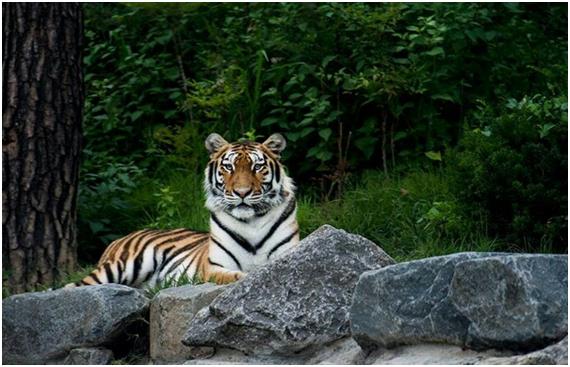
<point x="103" y="202"/>
<point x="513" y="167"/>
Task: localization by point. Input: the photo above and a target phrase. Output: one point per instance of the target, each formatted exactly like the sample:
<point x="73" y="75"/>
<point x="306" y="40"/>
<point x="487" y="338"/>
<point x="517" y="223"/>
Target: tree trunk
<point x="41" y="143"/>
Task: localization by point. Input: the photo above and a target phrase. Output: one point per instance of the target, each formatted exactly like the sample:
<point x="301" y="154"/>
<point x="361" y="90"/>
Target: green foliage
<point x="174" y="202"/>
<point x="104" y="190"/>
<point x="410" y="217"/>
<point x="513" y="167"/>
<point x="352" y="86"/>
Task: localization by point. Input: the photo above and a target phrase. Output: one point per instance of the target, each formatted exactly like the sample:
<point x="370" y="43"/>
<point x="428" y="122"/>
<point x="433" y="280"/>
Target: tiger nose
<point x="242" y="191"/>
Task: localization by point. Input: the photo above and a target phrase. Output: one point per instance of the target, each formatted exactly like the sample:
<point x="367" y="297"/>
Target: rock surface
<point x="294" y="303"/>
<point x="429" y="354"/>
<point x="43" y="327"/>
<point x="84" y="356"/>
<point x="554" y="354"/>
<point x="475" y="300"/>
<point x="347" y="352"/>
<point x="170" y="313"/>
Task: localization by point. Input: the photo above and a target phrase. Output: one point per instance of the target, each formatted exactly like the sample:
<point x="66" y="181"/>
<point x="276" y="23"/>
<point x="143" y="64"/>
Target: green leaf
<point x="435" y="51"/>
<point x="293" y="136"/>
<point x="325" y="134"/>
<point x="306" y="131"/>
<point x="327" y="60"/>
<point x="324" y="155"/>
<point x="269" y="121"/>
<point x="400" y="135"/>
<point x="544" y="129"/>
<point x="443" y="97"/>
<point x="434" y="156"/>
<point x="313" y="151"/>
<point x="366" y="145"/>
<point x="135" y="115"/>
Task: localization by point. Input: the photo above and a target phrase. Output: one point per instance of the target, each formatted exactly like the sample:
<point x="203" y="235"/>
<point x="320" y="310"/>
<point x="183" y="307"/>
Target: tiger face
<point x="245" y="179"/>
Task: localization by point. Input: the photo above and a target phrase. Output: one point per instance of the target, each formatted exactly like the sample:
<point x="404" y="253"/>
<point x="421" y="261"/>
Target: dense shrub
<point x="514" y="168"/>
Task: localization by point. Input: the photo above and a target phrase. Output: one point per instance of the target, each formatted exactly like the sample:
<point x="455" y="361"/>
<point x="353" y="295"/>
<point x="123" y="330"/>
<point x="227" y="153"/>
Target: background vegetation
<point x="428" y="128"/>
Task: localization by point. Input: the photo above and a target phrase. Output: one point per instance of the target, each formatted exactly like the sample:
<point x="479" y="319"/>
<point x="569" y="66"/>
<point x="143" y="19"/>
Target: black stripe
<point x="95" y="278"/>
<point x="277" y="172"/>
<point x="82" y="282"/>
<point x="137" y="262"/>
<point x="120" y="271"/>
<point x="126" y="246"/>
<point x="180" y="238"/>
<point x="179" y="251"/>
<point x="147" y="276"/>
<point x="177" y="264"/>
<point x="109" y="272"/>
<point x="236" y="237"/>
<point x="210" y="171"/>
<point x="214" y="263"/>
<point x="227" y="252"/>
<point x="283" y="217"/>
<point x="282" y="243"/>
<point x="165" y="252"/>
<point x="174" y="255"/>
<point x="154" y="260"/>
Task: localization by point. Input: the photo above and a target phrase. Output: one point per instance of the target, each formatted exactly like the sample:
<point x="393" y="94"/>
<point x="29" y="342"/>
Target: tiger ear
<point x="214" y="142"/>
<point x="276" y="143"/>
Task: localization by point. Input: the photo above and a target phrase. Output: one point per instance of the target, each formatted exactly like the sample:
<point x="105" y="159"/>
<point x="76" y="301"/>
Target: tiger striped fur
<point x="252" y="208"/>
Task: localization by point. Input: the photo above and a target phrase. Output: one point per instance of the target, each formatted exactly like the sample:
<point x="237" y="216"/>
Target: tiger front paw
<point x="227" y="277"/>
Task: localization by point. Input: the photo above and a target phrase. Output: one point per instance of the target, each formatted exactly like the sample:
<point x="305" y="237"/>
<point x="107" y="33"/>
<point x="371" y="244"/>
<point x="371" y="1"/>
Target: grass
<point x="169" y="283"/>
<point x="177" y="202"/>
<point x="82" y="271"/>
<point x="410" y="217"/>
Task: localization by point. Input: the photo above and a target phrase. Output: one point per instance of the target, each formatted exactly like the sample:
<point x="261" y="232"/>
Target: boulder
<point x="294" y="303"/>
<point x="170" y="313"/>
<point x="475" y="300"/>
<point x="89" y="356"/>
<point x="43" y="327"/>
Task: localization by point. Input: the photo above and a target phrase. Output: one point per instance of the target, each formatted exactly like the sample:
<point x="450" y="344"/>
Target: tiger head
<point x="246" y="179"/>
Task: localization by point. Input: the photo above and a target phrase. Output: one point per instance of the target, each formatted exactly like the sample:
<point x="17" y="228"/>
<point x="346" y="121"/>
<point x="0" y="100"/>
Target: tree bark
<point x="41" y="124"/>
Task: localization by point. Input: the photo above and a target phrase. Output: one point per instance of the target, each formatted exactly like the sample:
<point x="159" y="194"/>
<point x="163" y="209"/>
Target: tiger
<point x="253" y="220"/>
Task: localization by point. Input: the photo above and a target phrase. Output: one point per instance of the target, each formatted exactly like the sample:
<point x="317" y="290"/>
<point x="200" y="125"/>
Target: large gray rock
<point x="170" y="313"/>
<point x="476" y="300"/>
<point x="296" y="302"/>
<point x="43" y="327"/>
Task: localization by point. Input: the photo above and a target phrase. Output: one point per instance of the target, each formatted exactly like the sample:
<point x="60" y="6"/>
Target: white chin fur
<point x="242" y="213"/>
